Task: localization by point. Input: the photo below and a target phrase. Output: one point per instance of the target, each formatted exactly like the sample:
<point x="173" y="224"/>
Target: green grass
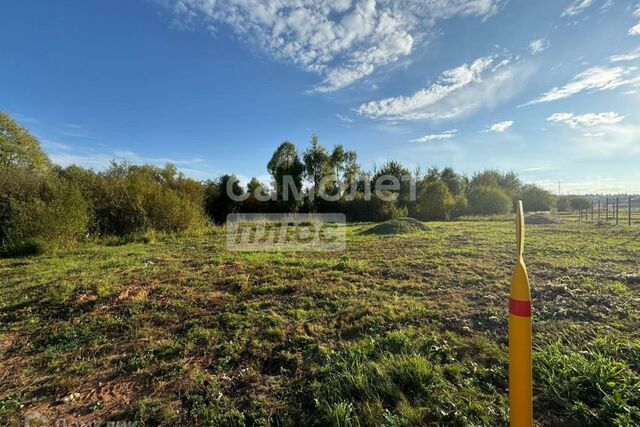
<point x="398" y="330"/>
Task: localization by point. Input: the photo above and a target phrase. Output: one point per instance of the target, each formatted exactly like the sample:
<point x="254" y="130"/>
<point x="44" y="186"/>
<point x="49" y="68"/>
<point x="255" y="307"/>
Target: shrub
<point x="435" y="202"/>
<point x="562" y="204"/>
<point x="387" y="210"/>
<point x="38" y="212"/>
<point x="489" y="201"/>
<point x="460" y="206"/>
<point x="535" y="199"/>
<point x="130" y="199"/>
<point x="117" y="211"/>
<point x="578" y="203"/>
<point x="167" y="211"/>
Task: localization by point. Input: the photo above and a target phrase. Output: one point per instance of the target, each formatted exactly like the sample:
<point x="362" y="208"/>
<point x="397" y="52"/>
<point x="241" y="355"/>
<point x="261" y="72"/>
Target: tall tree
<point x="454" y="182"/>
<point x="286" y="169"/>
<point x="18" y="148"/>
<point x="394" y="169"/>
<point x="317" y="164"/>
<point x="345" y="167"/>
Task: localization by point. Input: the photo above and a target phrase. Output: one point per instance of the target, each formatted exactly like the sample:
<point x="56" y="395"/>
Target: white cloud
<point x="599" y="136"/>
<point x="340" y="40"/>
<point x="635" y="30"/>
<point x="449" y="134"/>
<point x="344" y="119"/>
<point x="593" y="79"/>
<point x="577" y="7"/>
<point x="608" y="141"/>
<point x="458" y="91"/>
<point x="500" y="126"/>
<point x="538" y="45"/>
<point x="630" y="56"/>
<point x="54" y="145"/>
<point x="586" y="120"/>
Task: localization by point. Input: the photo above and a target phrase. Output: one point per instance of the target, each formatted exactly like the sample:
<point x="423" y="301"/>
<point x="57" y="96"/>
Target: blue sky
<point x="550" y="89"/>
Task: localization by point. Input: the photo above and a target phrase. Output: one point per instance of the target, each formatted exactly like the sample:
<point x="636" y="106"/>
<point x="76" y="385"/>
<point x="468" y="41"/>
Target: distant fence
<point x="619" y="210"/>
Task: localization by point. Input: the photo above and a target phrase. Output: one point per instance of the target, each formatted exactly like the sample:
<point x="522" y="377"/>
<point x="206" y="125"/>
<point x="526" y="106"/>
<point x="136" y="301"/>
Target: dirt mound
<point x="542" y="218"/>
<point x="397" y="226"/>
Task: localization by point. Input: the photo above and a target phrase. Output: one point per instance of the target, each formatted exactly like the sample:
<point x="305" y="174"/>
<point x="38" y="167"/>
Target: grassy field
<point x="396" y="331"/>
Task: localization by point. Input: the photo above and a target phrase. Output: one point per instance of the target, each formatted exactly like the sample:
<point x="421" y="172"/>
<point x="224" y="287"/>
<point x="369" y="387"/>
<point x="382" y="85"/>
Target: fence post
<point x="629" y="208"/>
<point x="617" y="210"/>
<point x="598" y="209"/>
<point x="592" y="210"/>
<point x="606" y="209"/>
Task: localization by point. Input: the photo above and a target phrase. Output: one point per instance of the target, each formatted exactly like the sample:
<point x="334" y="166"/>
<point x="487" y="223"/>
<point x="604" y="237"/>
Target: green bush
<point x="579" y="203"/>
<point x="129" y="199"/>
<point x="117" y="211"/>
<point x="435" y="202"/>
<point x="489" y="201"/>
<point x="562" y="204"/>
<point x="460" y="206"/>
<point x="169" y="212"/>
<point x="535" y="199"/>
<point x="38" y="212"/>
<point x="387" y="210"/>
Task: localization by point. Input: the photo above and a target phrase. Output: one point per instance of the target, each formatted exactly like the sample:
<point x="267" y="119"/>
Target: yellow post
<point x="520" y="382"/>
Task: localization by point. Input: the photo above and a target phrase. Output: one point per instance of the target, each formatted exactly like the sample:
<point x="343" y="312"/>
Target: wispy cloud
<point x="485" y="82"/>
<point x="342" y="41"/>
<point x="599" y="135"/>
<point x="586" y="120"/>
<point x="577" y="7"/>
<point x="629" y="56"/>
<point x="500" y="126"/>
<point x="593" y="79"/>
<point x="23" y="118"/>
<point x="538" y="45"/>
<point x="49" y="144"/>
<point x="449" y="134"/>
<point x="635" y="30"/>
<point x="344" y="119"/>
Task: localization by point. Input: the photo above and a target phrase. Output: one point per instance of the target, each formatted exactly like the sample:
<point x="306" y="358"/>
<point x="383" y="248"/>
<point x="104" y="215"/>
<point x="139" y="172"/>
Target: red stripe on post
<point x="520" y="308"/>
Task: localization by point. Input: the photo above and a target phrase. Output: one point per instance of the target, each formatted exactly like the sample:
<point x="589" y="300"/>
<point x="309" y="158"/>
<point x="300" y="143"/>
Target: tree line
<point x="44" y="205"/>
